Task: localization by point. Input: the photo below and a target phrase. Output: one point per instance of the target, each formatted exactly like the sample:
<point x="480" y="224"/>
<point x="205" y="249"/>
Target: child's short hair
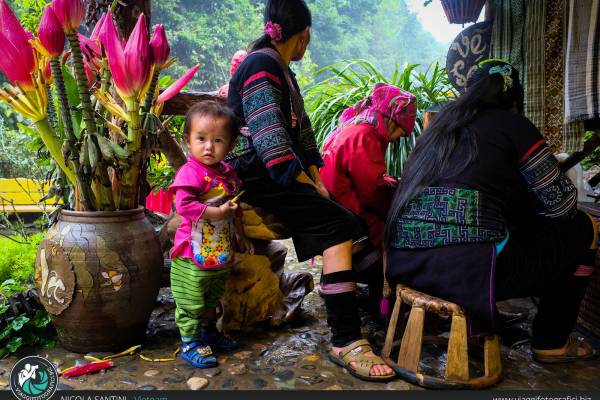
<point x="215" y="109"/>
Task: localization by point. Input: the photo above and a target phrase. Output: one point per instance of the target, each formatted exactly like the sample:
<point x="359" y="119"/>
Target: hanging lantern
<point x="462" y="11"/>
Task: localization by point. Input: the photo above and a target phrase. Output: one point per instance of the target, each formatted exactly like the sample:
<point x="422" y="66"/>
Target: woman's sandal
<point x="571" y="353"/>
<point x="355" y="352"/>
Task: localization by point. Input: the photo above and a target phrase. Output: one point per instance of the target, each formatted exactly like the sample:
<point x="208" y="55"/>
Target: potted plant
<point x="98" y="268"/>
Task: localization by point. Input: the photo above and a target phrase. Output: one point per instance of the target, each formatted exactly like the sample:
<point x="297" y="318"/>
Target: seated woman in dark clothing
<point x="277" y="158"/>
<point x="483" y="214"/>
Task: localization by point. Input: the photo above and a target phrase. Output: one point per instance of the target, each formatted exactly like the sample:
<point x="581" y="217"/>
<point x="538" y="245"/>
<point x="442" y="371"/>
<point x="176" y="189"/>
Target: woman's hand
<point x="321" y="189"/>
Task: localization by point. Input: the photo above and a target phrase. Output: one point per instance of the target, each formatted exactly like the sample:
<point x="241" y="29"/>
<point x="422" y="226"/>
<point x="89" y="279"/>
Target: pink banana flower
<point x="176" y="87"/>
<point x="17" y="60"/>
<point x="99" y="28"/>
<point x="130" y="67"/>
<point x="69" y="13"/>
<point x="159" y="46"/>
<point x="51" y="33"/>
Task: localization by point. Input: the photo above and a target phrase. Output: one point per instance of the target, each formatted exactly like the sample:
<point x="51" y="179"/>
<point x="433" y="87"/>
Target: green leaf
<point x="18" y="322"/>
<point x="4" y="352"/>
<point x="41" y="319"/>
<point x="5" y="332"/>
<point x="14" y="344"/>
<point x="3" y="308"/>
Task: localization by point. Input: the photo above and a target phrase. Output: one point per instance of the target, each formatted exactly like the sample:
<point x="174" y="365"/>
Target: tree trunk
<point x="125" y="14"/>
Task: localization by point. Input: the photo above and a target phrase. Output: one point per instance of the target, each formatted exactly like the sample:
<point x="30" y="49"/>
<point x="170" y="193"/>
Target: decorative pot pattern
<point x="98" y="274"/>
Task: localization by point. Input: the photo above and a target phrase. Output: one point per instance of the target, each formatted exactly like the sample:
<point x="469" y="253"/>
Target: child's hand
<point x="228" y="209"/>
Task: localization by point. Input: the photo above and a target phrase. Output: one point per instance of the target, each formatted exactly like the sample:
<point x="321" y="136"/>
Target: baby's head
<point x="210" y="131"/>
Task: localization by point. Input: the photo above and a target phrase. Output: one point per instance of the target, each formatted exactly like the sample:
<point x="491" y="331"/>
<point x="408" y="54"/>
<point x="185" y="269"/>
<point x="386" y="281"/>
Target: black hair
<point x="292" y="15"/>
<point x="430" y="157"/>
<point x="215" y="109"/>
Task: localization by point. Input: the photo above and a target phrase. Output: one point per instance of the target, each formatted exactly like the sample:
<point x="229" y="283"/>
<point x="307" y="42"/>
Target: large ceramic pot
<point x="98" y="275"/>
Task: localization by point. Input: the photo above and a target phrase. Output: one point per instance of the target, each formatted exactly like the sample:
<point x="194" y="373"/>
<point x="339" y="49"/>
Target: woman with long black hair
<point x="278" y="160"/>
<point x="484" y="214"/>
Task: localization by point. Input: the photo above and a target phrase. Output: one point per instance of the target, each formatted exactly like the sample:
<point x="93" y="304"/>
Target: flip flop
<point x="570" y="355"/>
<point x="355" y="352"/>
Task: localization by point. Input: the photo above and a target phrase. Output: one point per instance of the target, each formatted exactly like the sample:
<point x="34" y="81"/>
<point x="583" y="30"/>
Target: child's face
<point x="210" y="139"/>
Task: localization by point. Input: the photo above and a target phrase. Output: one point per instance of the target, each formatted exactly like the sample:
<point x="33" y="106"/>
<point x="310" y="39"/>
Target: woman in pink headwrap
<point x="354" y="154"/>
<point x="236" y="60"/>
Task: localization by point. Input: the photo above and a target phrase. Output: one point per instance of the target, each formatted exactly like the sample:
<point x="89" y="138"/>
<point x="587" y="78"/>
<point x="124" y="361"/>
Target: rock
<point x="327" y="374"/>
<point x="284" y="375"/>
<point x="128" y="381"/>
<point x="334" y="387"/>
<point x="222" y="359"/>
<point x="152" y="372"/>
<point x="130" y="368"/>
<point x="243" y="355"/>
<point x="227" y="383"/>
<point x="211" y="372"/>
<point x="146" y="387"/>
<point x="311" y="358"/>
<point x="309" y="367"/>
<point x="310" y="379"/>
<point x="345" y="382"/>
<point x="196" y="383"/>
<point x="102" y="381"/>
<point x="265" y="371"/>
<point x="252" y="292"/>
<point x="259" y="347"/>
<point x="63" y="386"/>
<point x="174" y="380"/>
<point x="398" y="385"/>
<point x="259" y="383"/>
<point x="237" y="369"/>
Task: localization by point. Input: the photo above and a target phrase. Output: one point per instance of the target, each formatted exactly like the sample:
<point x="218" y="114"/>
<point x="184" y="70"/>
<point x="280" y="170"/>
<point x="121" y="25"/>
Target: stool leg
<point x="393" y="325"/>
<point x="457" y="367"/>
<point x="491" y="355"/>
<point x="412" y="340"/>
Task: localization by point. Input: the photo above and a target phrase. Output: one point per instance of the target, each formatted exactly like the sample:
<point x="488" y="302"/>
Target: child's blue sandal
<point x="218" y="340"/>
<point x="198" y="354"/>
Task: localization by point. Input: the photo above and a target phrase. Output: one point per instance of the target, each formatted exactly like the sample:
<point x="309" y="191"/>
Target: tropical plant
<point x="108" y="98"/>
<point x="348" y="82"/>
<point x="24" y="327"/>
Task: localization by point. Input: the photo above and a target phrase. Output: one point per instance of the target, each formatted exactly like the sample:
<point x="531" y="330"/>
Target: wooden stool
<point x="457" y="368"/>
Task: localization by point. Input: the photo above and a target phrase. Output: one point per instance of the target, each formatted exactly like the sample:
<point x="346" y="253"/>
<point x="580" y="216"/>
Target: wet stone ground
<point x="294" y="356"/>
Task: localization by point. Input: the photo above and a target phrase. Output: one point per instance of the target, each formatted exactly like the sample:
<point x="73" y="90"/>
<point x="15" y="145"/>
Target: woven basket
<point x="589" y="312"/>
<point x="462" y="11"/>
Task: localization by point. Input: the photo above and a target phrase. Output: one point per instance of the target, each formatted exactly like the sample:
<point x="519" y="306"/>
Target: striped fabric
<point x="195" y="291"/>
<point x="556" y="195"/>
<point x="533" y="75"/>
<point x="582" y="66"/>
<point x="508" y="32"/>
<point x="531" y="36"/>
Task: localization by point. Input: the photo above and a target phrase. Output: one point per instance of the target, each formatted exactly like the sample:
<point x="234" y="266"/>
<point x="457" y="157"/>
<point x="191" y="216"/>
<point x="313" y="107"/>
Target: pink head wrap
<point x="236" y="60"/>
<point x="273" y="30"/>
<point x="386" y="101"/>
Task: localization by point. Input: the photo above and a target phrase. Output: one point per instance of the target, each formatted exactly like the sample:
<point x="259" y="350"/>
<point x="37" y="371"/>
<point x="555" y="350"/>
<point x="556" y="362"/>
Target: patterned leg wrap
<point x="338" y="289"/>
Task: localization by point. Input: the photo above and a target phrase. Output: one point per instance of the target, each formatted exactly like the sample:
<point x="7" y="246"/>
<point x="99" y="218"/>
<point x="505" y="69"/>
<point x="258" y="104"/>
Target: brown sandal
<point x="571" y="353"/>
<point x="355" y="352"/>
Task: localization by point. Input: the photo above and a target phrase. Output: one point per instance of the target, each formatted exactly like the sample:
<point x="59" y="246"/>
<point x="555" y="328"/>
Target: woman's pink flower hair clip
<point x="273" y="30"/>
